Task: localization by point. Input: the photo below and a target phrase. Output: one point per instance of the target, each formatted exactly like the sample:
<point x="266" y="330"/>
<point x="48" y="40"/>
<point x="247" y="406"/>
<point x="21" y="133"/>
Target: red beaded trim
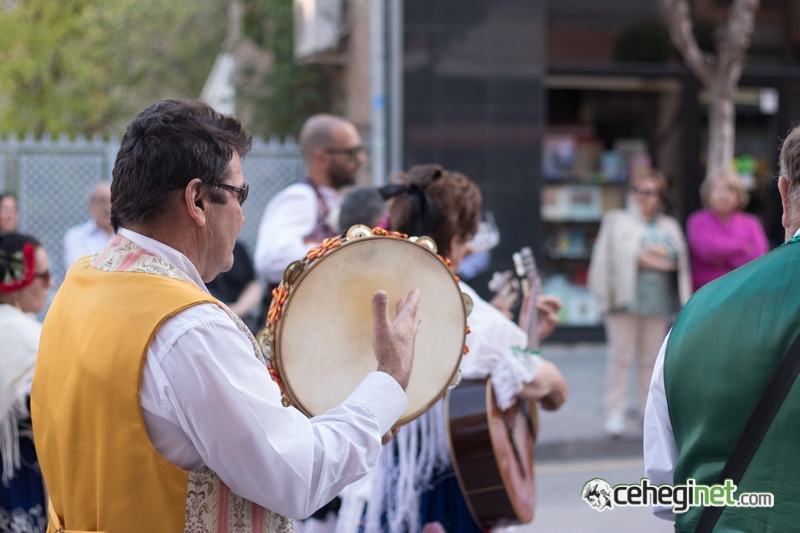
<point x="276" y="377"/>
<point x="279" y="295"/>
<point x="385" y="233"/>
<point x="323" y="248"/>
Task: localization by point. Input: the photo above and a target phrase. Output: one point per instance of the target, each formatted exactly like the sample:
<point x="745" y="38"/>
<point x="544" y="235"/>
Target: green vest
<point x="722" y="351"/>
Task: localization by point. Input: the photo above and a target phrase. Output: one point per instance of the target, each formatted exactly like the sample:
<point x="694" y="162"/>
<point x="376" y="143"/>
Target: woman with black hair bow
<point x="419" y="485"/>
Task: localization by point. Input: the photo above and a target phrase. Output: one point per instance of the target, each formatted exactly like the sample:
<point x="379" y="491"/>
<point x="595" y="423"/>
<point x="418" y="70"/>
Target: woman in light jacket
<point x="639" y="274"/>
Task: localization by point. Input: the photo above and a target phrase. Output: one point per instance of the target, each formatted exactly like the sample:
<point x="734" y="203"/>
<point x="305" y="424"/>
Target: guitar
<point x="492" y="450"/>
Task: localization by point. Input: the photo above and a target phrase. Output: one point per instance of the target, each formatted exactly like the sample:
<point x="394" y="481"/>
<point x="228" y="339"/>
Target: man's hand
<point x="393" y="343"/>
<point x="549" y="387"/>
<point x="387" y="438"/>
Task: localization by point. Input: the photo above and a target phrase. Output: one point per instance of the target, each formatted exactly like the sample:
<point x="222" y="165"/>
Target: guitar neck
<point x="531" y="288"/>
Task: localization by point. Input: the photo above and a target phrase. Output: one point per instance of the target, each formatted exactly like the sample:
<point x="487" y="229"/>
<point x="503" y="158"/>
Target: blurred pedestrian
<point x="9" y="214"/>
<point x="92" y="236"/>
<point x="639" y="274"/>
<point x="24" y="283"/>
<point x="300" y="216"/>
<point x="720" y="236"/>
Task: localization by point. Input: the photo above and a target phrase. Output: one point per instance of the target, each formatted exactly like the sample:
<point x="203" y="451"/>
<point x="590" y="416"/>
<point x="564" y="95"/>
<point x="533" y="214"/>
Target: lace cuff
<point x="511" y="373"/>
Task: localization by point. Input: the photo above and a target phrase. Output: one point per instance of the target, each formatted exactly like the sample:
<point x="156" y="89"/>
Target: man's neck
<point x="319" y="177"/>
<point x="174" y="238"/>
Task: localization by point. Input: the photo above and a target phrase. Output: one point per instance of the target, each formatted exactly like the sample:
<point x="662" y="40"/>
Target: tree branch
<point x="676" y="13"/>
<point x="735" y="41"/>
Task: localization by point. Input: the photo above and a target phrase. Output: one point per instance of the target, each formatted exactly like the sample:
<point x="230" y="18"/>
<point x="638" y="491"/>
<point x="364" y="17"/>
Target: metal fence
<point x="53" y="179"/>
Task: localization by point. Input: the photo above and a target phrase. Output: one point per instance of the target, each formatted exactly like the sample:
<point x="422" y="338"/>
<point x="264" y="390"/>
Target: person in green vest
<point x="713" y="367"/>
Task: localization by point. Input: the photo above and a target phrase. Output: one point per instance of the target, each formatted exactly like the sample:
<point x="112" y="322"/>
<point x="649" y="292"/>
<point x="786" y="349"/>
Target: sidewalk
<point x="577" y="429"/>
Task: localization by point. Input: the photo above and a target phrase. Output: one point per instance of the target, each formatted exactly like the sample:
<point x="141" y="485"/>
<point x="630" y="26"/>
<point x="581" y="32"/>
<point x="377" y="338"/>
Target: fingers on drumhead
<point x="380" y="306"/>
<point x="412" y="300"/>
<point x="380" y="299"/>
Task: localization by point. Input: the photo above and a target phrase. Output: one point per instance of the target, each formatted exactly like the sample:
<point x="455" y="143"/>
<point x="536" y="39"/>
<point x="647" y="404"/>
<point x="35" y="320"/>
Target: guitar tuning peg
<point x="519" y="264"/>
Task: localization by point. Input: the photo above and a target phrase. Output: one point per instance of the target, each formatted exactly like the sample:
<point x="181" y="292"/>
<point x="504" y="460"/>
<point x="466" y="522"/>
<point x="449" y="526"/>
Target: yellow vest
<point x="100" y="467"/>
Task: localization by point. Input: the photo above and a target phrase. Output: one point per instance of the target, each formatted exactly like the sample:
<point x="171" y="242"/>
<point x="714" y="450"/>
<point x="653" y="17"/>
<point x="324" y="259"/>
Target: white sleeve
<point x="225" y="402"/>
<point x="660" y="450"/>
<point x="288" y="218"/>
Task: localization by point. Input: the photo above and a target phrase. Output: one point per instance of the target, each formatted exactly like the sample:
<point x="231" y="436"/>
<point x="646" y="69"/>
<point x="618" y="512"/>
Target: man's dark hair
<point x="364" y="205"/>
<point x="165" y="147"/>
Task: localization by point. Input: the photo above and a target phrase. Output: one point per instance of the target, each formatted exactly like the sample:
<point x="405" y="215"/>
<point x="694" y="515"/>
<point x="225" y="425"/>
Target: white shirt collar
<point x="796" y="233"/>
<point x="329" y="194"/>
<point x="170" y="254"/>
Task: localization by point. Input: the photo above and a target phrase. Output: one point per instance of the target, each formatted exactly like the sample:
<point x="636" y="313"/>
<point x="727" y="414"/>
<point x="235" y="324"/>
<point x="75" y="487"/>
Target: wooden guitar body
<point x="492" y="454"/>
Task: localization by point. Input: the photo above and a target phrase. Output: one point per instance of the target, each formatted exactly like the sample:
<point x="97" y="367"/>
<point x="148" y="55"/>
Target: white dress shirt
<point x="660" y="449"/>
<point x="85" y="239"/>
<point x="288" y="218"/>
<point x="207" y="400"/>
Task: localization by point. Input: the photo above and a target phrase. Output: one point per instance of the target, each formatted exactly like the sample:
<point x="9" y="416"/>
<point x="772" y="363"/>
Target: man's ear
<point x="321" y="157"/>
<point x="783" y="188"/>
<point x="196" y="201"/>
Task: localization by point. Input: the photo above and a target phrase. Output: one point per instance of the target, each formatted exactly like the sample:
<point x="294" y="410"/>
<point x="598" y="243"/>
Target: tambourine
<point x="319" y="333"/>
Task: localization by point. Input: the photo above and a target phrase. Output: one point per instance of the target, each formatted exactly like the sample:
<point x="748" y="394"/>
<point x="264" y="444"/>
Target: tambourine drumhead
<point x="323" y="346"/>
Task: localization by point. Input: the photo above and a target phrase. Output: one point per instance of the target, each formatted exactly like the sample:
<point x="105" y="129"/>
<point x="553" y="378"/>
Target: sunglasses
<point x="644" y="192"/>
<point x="352" y="153"/>
<point x="241" y="192"/>
<point x="45" y="276"/>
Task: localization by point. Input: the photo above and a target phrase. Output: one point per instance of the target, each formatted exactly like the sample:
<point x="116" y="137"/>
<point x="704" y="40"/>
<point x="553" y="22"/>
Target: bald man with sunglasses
<point x="303" y="214"/>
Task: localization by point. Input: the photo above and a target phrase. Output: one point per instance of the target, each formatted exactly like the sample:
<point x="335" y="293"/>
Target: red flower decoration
<point x="17" y="269"/>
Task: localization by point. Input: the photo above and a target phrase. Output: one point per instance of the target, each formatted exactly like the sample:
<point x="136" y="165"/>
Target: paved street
<point x="576" y="430"/>
<point x="560" y="508"/>
<point x="572" y="449"/>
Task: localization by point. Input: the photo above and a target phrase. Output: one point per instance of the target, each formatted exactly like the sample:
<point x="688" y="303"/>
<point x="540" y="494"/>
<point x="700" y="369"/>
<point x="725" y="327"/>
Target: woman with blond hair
<point x="721" y="237"/>
<point x="639" y="274"/>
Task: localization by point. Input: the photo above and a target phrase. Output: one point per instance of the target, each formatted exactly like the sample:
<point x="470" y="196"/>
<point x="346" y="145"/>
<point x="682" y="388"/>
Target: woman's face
<point x="8" y="214"/>
<point x="646" y="194"/>
<point x="722" y="199"/>
<point x="33" y="297"/>
<point x="459" y="249"/>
